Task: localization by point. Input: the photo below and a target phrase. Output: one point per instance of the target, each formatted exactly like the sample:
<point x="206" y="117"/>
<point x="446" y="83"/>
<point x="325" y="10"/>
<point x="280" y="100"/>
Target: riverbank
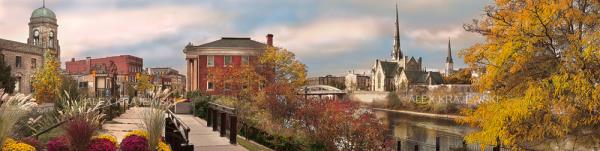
<point x="430" y="115"/>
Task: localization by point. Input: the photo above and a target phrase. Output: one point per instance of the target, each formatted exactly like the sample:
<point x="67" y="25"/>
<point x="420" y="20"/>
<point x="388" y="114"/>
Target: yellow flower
<point x="162" y="146"/>
<point x="140" y="133"/>
<point x="109" y="137"/>
<point x="12" y="145"/>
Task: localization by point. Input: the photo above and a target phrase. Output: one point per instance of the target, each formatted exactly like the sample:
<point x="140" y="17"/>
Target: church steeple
<point x="396" y="51"/>
<point x="449" y="62"/>
<point x="449" y="57"/>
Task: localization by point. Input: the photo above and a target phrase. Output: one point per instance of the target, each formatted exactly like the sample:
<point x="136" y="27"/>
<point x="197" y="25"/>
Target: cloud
<point x="88" y="29"/>
<point x="435" y="39"/>
<point x="325" y="36"/>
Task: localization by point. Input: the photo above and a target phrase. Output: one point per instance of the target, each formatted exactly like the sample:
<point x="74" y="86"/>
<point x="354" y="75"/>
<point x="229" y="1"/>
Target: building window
<point x="18" y="84"/>
<point x="2" y="57"/>
<point x="379" y="81"/>
<point x="18" y="62"/>
<point x="245" y="59"/>
<point x="33" y="63"/>
<point x="227" y="60"/>
<point x="210" y="61"/>
<point x="210" y="86"/>
<point x="83" y="84"/>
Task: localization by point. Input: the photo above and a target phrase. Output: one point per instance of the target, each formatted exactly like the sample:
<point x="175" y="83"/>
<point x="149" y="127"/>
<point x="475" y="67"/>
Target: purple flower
<point x="134" y="143"/>
<point x="102" y="145"/>
<point x="58" y="144"/>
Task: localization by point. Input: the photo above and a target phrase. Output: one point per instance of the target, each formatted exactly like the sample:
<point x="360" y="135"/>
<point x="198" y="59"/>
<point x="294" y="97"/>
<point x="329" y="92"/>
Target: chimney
<point x="88" y="60"/>
<point x="270" y="40"/>
<point x="72" y="59"/>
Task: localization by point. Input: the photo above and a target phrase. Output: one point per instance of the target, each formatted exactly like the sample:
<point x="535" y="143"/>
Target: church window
<point x="51" y="39"/>
<point x="379" y="80"/>
<point x="2" y="57"/>
<point x="227" y="60"/>
<point x="18" y="63"/>
<point x="33" y="63"/>
<point x="210" y="61"/>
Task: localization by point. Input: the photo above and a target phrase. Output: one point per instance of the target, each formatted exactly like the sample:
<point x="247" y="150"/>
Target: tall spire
<point x="396" y="51"/>
<point x="43" y="3"/>
<point x="449" y="58"/>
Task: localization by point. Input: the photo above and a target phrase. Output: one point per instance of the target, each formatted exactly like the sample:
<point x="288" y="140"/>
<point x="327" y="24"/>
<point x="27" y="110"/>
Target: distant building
<point x="25" y="58"/>
<point x="96" y="75"/>
<point x="401" y="71"/>
<point x="449" y="63"/>
<point x="222" y="53"/>
<point x="335" y="81"/>
<point x="357" y="82"/>
<point x="168" y="78"/>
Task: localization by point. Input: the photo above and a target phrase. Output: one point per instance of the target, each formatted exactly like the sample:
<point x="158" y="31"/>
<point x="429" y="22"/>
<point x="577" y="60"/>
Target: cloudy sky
<point x="330" y="36"/>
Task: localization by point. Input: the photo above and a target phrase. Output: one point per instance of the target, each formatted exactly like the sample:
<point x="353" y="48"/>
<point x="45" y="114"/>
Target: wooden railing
<point x="177" y="133"/>
<point x="223" y="119"/>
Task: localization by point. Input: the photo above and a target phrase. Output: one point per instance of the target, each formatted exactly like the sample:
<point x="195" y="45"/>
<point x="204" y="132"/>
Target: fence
<point x="223" y="119"/>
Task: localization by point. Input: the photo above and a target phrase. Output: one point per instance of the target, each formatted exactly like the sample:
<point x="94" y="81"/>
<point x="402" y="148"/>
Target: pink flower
<point x="102" y="145"/>
<point x="134" y="143"/>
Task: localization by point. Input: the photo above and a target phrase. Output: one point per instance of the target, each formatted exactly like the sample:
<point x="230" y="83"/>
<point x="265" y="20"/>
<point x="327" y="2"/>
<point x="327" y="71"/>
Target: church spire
<point x="396" y="51"/>
<point x="449" y="57"/>
<point x="43" y="3"/>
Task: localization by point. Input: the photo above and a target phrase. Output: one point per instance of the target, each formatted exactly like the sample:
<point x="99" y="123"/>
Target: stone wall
<point x="27" y="69"/>
<point x="368" y="97"/>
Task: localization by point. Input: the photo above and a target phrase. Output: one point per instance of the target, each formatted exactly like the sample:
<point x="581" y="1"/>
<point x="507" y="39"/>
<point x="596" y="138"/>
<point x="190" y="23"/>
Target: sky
<point x="329" y="36"/>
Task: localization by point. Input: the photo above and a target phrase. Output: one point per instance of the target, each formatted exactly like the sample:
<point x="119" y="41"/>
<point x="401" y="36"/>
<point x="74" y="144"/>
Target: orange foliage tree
<point x="47" y="81"/>
<point x="542" y="70"/>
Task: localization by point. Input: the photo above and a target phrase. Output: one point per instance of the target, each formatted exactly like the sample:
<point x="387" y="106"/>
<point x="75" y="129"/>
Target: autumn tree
<point x="47" y="80"/>
<point x="7" y="82"/>
<point x="462" y="76"/>
<point x="542" y="73"/>
<point x="143" y="83"/>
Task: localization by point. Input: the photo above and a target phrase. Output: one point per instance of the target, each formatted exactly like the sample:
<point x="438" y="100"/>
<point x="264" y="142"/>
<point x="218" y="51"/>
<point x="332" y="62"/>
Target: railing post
<point x="399" y="145"/>
<point x="223" y="127"/>
<point x="497" y="147"/>
<point x="417" y="147"/>
<point x="208" y="117"/>
<point x="214" y="119"/>
<point x="437" y="143"/>
<point x="233" y="129"/>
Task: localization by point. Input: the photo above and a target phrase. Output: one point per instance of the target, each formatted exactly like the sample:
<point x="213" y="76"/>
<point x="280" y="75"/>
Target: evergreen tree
<point x="7" y="82"/>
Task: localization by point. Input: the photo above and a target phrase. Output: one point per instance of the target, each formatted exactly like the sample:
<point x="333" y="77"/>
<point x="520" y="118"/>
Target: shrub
<point x="79" y="132"/>
<point x="134" y="143"/>
<point x="60" y="143"/>
<point x="102" y="145"/>
<point x="11" y="110"/>
<point x="200" y="103"/>
<point x="107" y="137"/>
<point x="162" y="146"/>
<point x="12" y="145"/>
<point x="33" y="142"/>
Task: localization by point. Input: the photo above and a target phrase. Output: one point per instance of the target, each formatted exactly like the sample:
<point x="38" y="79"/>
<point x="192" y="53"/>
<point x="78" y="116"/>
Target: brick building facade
<point x="218" y="54"/>
<point x="124" y="66"/>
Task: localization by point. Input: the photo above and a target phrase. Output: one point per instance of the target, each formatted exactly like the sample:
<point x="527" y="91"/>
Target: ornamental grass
<point x="12" y="108"/>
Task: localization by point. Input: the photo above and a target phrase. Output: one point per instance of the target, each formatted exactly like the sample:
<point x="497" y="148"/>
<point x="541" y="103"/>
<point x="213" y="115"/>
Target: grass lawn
<point x="250" y="146"/>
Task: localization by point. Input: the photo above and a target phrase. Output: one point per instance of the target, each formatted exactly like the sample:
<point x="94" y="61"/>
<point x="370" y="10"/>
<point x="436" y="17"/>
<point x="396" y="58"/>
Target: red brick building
<point x="217" y="54"/>
<point x="125" y="66"/>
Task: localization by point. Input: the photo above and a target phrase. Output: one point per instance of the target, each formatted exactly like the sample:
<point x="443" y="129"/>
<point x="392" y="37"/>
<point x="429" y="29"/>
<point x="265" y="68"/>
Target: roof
<point x="234" y="42"/>
<point x="421" y="77"/>
<point x="43" y="12"/>
<point x="389" y="68"/>
<point x="20" y="47"/>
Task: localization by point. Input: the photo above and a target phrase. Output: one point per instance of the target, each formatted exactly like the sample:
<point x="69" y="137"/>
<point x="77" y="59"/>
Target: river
<point x="414" y="132"/>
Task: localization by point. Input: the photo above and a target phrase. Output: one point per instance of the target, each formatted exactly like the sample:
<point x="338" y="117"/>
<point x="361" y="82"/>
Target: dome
<point x="43" y="12"/>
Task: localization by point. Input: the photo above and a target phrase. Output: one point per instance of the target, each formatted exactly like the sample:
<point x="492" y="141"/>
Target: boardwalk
<point x="202" y="137"/>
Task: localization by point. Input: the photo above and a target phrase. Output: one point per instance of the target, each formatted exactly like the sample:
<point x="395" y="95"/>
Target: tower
<point x="449" y="62"/>
<point x="396" y="51"/>
<point x="43" y="30"/>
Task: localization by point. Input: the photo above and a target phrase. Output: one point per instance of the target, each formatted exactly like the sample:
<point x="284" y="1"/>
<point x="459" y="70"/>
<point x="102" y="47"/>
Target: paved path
<point x="200" y="135"/>
<point x="204" y="138"/>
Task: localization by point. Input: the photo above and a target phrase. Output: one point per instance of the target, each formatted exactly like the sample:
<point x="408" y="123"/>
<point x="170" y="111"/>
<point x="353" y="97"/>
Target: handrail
<point x="184" y="129"/>
<point x="64" y="121"/>
<point x="223" y="108"/>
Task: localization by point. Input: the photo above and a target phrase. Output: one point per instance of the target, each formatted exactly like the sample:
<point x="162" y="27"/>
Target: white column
<point x="188" y="77"/>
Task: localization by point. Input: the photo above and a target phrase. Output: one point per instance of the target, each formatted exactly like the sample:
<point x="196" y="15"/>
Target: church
<point x="402" y="71"/>
<point x="25" y="58"/>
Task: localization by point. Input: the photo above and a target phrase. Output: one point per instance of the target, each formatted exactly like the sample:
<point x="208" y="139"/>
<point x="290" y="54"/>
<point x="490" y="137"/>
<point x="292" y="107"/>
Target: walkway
<point x="201" y="136"/>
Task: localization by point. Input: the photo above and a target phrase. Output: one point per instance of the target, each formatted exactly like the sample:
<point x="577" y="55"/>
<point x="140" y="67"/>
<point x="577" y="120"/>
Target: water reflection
<point x="423" y="133"/>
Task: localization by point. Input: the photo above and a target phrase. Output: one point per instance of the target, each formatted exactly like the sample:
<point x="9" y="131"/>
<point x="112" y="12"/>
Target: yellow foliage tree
<point x="47" y="82"/>
<point x="143" y="83"/>
<point x="542" y="72"/>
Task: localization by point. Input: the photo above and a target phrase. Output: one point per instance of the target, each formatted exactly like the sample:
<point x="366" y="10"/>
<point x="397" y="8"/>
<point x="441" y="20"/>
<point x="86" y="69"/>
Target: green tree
<point x="47" y="81"/>
<point x="70" y="86"/>
<point x="542" y="72"/>
<point x="7" y="82"/>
